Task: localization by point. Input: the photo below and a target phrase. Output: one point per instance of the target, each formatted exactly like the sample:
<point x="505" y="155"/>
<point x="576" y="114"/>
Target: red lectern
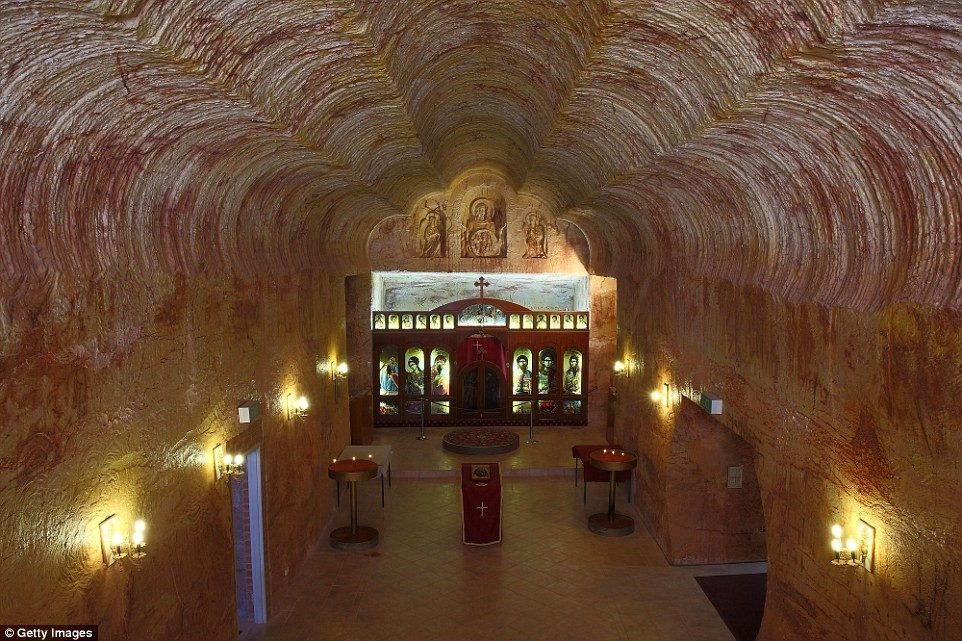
<point x="481" y="503"/>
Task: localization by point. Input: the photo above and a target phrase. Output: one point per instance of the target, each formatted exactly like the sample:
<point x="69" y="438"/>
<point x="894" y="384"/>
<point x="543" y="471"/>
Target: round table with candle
<point x="353" y="537"/>
<point x="610" y="523"/>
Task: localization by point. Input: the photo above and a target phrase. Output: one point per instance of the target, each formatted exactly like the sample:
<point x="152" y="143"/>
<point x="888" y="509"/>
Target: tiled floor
<point x="550" y="578"/>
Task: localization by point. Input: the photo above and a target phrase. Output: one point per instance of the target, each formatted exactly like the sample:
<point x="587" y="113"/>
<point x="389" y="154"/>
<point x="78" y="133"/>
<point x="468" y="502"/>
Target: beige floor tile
<point x="550" y="578"/>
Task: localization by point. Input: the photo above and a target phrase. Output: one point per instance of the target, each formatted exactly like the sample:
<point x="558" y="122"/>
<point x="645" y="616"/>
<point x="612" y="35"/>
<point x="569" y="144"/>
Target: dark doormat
<point x="739" y="599"/>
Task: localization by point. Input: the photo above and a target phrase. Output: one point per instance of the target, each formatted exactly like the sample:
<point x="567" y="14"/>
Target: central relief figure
<point x="485" y="234"/>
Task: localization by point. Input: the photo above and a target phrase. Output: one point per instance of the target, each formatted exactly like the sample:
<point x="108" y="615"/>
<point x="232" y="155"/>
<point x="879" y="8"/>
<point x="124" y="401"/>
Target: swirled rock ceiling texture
<point x="805" y="151"/>
<point x="809" y="147"/>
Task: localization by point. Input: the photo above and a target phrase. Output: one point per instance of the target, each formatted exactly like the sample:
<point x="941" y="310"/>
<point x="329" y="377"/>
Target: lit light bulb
<point x="851" y="545"/>
<point x="138" y="538"/>
<point x="116" y="540"/>
<point x="228" y="459"/>
<point x="139" y="525"/>
<point x="342" y="368"/>
<point x="837" y="531"/>
<point x="619" y="367"/>
<point x="836" y="545"/>
<point x="302" y="404"/>
<point x="655" y="396"/>
<point x="239" y="459"/>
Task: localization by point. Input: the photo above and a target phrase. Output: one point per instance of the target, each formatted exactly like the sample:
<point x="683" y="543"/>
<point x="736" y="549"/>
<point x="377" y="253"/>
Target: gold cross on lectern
<point x="482" y="284"/>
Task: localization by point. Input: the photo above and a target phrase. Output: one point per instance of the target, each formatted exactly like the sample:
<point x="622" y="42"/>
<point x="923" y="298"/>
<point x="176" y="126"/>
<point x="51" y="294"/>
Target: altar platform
<point x="549" y="457"/>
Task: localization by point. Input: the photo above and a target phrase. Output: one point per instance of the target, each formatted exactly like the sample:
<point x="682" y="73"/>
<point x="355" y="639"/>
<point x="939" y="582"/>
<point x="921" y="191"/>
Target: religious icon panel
<point x="547" y="371"/>
<point x="487" y="362"/>
<point x="389" y="372"/>
<point x="440" y="372"/>
<point x="522" y="371"/>
<point x="572" y="379"/>
<point x="414" y="372"/>
<point x="521" y="407"/>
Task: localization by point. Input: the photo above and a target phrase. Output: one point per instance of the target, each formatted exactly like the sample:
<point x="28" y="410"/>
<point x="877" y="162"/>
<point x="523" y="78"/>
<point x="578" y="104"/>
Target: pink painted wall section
<point x="850" y="415"/>
<point x="112" y="397"/>
<point x="709" y="522"/>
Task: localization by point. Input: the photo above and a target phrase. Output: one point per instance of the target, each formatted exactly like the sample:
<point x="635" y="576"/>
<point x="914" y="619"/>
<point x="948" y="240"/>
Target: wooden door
<point x="482" y="391"/>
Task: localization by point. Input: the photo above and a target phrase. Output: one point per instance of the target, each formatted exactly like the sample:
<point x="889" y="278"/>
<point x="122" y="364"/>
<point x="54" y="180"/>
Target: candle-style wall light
<point x="858" y="550"/>
<point x="296" y="406"/>
<point x="115" y="544"/>
<point x="338" y="374"/>
<point x="227" y="464"/>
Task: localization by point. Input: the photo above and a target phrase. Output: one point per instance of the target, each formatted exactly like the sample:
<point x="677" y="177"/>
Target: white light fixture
<point x="114" y="544"/>
<point x="227" y="464"/>
<point x="857" y="550"/>
<point x="620" y="368"/>
<point x="338" y="374"/>
<point x="137" y="542"/>
<point x="297" y="407"/>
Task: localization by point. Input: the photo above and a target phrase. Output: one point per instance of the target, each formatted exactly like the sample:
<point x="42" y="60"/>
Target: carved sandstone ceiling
<point x="809" y="147"/>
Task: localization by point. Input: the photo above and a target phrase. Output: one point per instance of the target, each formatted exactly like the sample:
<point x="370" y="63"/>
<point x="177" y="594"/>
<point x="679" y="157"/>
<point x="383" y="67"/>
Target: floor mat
<point x="739" y="599"/>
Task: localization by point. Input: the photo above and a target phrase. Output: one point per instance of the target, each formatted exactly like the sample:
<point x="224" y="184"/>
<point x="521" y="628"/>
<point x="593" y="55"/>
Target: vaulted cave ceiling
<point x="809" y="147"/>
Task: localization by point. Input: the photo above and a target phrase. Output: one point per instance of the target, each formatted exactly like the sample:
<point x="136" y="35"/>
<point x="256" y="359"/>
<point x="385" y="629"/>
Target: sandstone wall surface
<point x="112" y="395"/>
<point x="850" y="414"/>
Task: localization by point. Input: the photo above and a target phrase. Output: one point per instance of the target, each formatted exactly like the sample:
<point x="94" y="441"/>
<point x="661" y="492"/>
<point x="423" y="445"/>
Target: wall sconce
<point x="114" y="544"/>
<point x="858" y="550"/>
<point x="296" y="407"/>
<point x="338" y="374"/>
<point x="227" y="464"/>
<point x="655" y="395"/>
<point x="137" y="540"/>
<point x="624" y="368"/>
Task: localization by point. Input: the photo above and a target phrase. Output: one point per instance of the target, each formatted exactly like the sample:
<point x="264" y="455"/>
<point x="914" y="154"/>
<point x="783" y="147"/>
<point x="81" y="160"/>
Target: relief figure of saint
<point x="432" y="230"/>
<point x="484" y="232"/>
<point x="535" y="237"/>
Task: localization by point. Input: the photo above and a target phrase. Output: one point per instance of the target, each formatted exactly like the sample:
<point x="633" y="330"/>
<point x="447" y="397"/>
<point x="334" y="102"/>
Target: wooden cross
<point x="482" y="284"/>
<point x="482" y="507"/>
<point x="479" y="348"/>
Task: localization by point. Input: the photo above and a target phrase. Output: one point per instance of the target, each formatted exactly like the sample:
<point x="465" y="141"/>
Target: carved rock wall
<point x="709" y="522"/>
<point x="850" y="415"/>
<point x="112" y="397"/>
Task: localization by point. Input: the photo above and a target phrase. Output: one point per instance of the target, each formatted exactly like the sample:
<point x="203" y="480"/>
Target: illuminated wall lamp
<point x="338" y="374"/>
<point x="858" y="550"/>
<point x="296" y="407"/>
<point x="114" y="545"/>
<point x="620" y="368"/>
<point x="227" y="464"/>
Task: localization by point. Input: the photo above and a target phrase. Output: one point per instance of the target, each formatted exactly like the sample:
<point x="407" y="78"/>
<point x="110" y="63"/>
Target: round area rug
<point x="482" y="441"/>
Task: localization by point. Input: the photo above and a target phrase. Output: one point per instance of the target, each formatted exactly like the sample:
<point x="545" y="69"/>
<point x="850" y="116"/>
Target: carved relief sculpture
<point x="431" y="235"/>
<point x="484" y="234"/>
<point x="535" y="236"/>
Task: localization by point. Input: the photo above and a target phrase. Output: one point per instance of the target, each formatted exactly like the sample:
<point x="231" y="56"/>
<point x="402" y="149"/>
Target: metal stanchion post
<point x="422" y="436"/>
<point x="531" y="438"/>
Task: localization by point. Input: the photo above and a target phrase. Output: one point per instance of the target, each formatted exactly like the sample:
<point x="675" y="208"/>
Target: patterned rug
<point x="482" y="441"/>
